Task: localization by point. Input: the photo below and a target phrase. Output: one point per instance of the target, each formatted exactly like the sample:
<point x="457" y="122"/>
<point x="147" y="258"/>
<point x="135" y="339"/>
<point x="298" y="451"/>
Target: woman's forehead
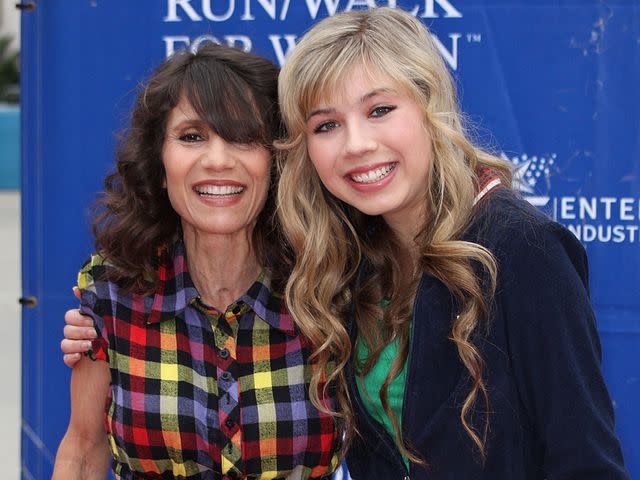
<point x="184" y="108"/>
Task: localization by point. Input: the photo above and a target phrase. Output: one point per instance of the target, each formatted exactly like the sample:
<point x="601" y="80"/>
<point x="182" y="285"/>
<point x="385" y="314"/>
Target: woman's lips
<point x="219" y="188"/>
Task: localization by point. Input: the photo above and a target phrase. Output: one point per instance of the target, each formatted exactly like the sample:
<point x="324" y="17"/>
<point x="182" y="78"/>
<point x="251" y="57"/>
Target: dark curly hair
<point x="236" y="94"/>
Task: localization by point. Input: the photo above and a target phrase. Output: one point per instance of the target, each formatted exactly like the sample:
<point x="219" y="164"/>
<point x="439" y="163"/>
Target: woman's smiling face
<point x="216" y="187"/>
<point x="371" y="149"/>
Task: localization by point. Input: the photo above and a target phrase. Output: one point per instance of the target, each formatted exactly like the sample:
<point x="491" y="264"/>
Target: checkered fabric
<point x="202" y="394"/>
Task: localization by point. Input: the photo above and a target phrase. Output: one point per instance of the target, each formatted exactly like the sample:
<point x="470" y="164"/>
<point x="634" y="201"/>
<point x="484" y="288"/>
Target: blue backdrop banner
<point x="552" y="86"/>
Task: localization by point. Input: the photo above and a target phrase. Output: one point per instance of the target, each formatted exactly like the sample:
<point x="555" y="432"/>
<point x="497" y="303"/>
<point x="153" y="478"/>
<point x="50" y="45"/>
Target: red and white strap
<point x="490" y="184"/>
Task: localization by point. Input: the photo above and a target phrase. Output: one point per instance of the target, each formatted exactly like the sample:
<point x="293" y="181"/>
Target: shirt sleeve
<point x="94" y="304"/>
<point x="555" y="353"/>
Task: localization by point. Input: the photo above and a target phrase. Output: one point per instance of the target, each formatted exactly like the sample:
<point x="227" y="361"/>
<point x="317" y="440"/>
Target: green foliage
<point x="9" y="72"/>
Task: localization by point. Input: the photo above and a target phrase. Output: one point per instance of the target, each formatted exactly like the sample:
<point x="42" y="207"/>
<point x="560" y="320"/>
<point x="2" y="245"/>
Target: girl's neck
<point x="406" y="226"/>
<point x="409" y="254"/>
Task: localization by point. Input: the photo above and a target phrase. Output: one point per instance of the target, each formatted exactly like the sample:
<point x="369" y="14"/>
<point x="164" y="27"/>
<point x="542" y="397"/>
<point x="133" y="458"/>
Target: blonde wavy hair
<point x="329" y="239"/>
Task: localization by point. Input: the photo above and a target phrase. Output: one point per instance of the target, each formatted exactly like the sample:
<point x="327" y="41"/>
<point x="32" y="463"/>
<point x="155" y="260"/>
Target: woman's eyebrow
<point x="188" y="122"/>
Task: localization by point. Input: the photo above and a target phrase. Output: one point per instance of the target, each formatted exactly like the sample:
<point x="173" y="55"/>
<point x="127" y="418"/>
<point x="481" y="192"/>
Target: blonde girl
<point x="453" y="318"/>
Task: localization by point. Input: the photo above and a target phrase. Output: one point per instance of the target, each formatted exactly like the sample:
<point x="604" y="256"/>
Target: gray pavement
<point x="10" y="329"/>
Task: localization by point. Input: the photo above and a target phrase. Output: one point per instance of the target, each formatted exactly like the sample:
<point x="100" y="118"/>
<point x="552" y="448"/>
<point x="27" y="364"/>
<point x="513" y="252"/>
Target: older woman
<point x="202" y="370"/>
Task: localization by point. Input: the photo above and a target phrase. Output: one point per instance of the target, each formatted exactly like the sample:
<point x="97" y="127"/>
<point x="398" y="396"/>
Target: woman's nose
<point x="217" y="155"/>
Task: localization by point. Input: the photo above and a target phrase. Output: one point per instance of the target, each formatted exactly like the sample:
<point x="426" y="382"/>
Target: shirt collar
<point x="176" y="291"/>
<point x="175" y="288"/>
<point x="268" y="305"/>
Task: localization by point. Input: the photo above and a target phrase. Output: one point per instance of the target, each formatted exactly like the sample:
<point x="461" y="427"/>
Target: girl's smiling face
<point x="370" y="146"/>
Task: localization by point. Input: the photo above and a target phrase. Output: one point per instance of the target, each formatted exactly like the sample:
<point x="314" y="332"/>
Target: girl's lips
<point x="373" y="174"/>
<point x="372" y="179"/>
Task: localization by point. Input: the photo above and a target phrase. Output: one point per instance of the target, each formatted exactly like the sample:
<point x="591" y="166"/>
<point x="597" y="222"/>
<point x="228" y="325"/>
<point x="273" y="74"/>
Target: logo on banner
<point x="528" y="171"/>
<point x="276" y="17"/>
<point x="603" y="219"/>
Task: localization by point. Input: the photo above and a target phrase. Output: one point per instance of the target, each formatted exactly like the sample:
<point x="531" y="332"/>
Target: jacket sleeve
<point x="555" y="353"/>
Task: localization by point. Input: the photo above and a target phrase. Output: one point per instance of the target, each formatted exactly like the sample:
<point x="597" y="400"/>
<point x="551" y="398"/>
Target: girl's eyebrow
<point x="320" y="111"/>
<point x="377" y="91"/>
<point x="364" y="98"/>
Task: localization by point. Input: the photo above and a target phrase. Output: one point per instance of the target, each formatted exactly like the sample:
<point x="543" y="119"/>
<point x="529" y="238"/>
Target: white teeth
<point x="218" y="189"/>
<point x="373" y="175"/>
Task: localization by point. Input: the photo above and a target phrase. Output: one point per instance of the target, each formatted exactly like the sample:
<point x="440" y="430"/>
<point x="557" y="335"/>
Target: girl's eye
<point x="325" y="126"/>
<point x="382" y="110"/>
<point x="191" y="137"/>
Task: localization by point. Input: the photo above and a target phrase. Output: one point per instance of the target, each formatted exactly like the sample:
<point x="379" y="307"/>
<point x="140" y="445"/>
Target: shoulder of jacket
<point x="506" y="221"/>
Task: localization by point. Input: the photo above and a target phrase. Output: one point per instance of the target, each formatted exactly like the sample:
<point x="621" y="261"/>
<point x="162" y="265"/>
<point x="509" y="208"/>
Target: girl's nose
<point x="359" y="139"/>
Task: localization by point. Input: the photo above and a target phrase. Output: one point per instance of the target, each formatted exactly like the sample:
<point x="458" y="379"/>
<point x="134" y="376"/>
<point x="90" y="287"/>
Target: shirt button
<point x="226" y="376"/>
<point x="229" y="423"/>
<point x="224" y="353"/>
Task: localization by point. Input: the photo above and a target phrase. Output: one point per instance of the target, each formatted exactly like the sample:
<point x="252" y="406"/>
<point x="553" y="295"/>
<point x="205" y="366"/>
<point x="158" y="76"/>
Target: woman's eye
<point x="381" y="111"/>
<point x="191" y="137"/>
<point x="325" y="126"/>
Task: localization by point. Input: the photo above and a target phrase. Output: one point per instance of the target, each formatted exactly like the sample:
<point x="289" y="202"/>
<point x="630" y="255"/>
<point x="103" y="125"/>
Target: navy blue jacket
<point x="550" y="413"/>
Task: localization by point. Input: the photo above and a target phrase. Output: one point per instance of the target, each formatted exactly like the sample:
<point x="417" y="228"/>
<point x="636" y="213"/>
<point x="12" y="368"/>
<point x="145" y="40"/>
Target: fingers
<point x="71" y="332"/>
<point x="73" y="350"/>
<point x="75" y="318"/>
<point x="78" y="333"/>
<point x="78" y="326"/>
<point x="70" y="359"/>
<point x="74" y="346"/>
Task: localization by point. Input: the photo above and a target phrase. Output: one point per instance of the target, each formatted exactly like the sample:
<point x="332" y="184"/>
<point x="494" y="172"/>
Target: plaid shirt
<point x="202" y="394"/>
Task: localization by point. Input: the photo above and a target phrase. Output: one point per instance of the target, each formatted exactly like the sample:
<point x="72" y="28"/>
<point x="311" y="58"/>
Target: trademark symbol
<point x="474" y="37"/>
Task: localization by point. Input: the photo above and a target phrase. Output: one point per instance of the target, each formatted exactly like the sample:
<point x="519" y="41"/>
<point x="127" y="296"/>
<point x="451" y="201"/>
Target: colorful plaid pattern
<point x="202" y="394"/>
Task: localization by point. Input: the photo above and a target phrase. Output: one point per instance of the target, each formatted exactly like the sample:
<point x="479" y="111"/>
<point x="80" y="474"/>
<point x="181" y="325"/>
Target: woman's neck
<point x="222" y="267"/>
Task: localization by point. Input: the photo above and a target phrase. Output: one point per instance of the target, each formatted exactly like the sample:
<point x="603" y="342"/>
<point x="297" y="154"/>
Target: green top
<point x="370" y="385"/>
